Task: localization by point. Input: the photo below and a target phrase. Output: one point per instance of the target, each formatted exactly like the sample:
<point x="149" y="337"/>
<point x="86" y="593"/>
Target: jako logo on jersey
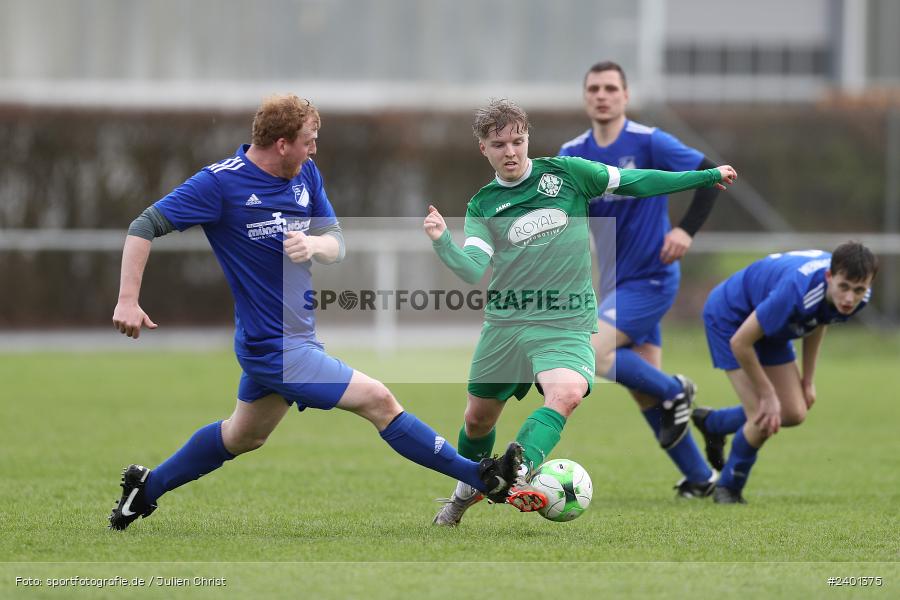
<point x="267" y="229"/>
<point x="549" y="185"/>
<point x="253" y="200"/>
<point x="502" y="206"/>
<point x="301" y="195"/>
<point x="438" y="443"/>
<point x="538" y="227"/>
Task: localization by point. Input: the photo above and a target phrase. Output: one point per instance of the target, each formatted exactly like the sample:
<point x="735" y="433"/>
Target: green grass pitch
<point x="326" y="510"/>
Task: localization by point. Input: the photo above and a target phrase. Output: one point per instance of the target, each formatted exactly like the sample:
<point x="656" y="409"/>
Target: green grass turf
<point x="325" y="509"/>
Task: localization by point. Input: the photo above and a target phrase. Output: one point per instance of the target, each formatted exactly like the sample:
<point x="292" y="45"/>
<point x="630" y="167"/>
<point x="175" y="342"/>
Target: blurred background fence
<point x="106" y="105"/>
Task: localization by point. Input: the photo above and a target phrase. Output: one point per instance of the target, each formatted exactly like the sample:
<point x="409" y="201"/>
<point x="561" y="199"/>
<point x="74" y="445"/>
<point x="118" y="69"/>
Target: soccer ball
<point x="567" y="486"/>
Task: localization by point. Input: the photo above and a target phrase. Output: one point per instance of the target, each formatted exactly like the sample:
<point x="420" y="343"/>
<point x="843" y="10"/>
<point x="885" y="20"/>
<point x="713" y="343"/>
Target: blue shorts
<point x="718" y="335"/>
<point x="636" y="307"/>
<point x="306" y="376"/>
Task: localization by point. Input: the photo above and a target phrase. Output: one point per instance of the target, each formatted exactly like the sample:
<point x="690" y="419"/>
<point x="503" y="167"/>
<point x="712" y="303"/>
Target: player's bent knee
<point x="478" y="425"/>
<point x="565" y="401"/>
<point x="378" y="406"/>
<point x="254" y="443"/>
<point x="383" y="399"/>
<point x="765" y="435"/>
<point x="243" y="443"/>
<point x="793" y="419"/>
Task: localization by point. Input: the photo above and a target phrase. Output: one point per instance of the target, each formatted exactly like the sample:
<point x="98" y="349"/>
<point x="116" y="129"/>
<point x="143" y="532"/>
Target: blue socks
<point x="740" y="461"/>
<point x="203" y="453"/>
<point x="725" y="421"/>
<point x="684" y="454"/>
<point x="635" y="373"/>
<point x="418" y="442"/>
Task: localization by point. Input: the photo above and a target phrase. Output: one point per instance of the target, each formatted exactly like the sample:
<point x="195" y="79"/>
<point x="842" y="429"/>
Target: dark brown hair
<point x="854" y="260"/>
<point x="606" y="65"/>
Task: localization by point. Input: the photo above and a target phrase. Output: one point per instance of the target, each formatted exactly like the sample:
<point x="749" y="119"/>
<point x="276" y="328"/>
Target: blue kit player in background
<point x="750" y="320"/>
<point x="640" y="287"/>
<point x="266" y="216"/>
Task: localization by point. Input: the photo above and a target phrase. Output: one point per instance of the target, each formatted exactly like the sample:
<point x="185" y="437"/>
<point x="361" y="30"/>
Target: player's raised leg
<point x="500" y="369"/>
<point x="416" y="441"/>
<point x="563" y="391"/>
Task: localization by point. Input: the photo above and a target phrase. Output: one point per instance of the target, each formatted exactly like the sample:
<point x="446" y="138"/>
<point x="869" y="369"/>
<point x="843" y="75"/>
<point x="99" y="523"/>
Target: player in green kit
<point x="530" y="224"/>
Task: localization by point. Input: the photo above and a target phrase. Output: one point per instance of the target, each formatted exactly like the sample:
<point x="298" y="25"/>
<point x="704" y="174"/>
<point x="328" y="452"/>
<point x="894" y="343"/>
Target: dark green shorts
<point x="508" y="358"/>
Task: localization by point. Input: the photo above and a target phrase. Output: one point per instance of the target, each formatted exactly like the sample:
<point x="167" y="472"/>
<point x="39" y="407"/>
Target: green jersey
<point x="535" y="234"/>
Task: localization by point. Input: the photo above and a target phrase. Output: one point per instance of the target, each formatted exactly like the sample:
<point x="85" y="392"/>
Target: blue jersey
<point x="641" y="225"/>
<point x="245" y="213"/>
<point x="787" y="291"/>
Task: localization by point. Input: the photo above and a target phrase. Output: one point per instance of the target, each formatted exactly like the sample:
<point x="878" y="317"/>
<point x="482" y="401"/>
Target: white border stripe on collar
<point x="524" y="176"/>
<point x="614" y="178"/>
<point x="479" y="243"/>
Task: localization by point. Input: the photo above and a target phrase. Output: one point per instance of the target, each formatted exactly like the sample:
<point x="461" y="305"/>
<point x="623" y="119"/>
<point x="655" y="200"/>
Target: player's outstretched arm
<point x="768" y="406"/>
<point x="728" y="176"/>
<point x="469" y="263"/>
<point x="128" y="316"/>
<point x="643" y="183"/>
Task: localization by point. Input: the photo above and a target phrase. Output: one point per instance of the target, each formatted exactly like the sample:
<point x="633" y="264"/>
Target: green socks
<point x="475" y="449"/>
<point x="540" y="434"/>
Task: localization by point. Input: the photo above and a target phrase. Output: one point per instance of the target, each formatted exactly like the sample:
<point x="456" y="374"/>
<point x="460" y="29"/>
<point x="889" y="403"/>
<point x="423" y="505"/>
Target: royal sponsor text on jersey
<point x="537" y="227"/>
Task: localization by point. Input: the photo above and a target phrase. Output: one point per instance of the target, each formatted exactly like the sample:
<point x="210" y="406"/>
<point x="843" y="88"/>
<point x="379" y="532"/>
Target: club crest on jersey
<point x="549" y="185"/>
<point x="301" y="195"/>
<point x="537" y="228"/>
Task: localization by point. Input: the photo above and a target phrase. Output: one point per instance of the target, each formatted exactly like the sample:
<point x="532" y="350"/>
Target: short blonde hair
<point x="496" y="116"/>
<point x="281" y="116"/>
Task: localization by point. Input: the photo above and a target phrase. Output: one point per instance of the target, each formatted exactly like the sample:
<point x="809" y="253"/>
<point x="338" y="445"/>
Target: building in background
<point x="372" y="54"/>
<point x="397" y="80"/>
